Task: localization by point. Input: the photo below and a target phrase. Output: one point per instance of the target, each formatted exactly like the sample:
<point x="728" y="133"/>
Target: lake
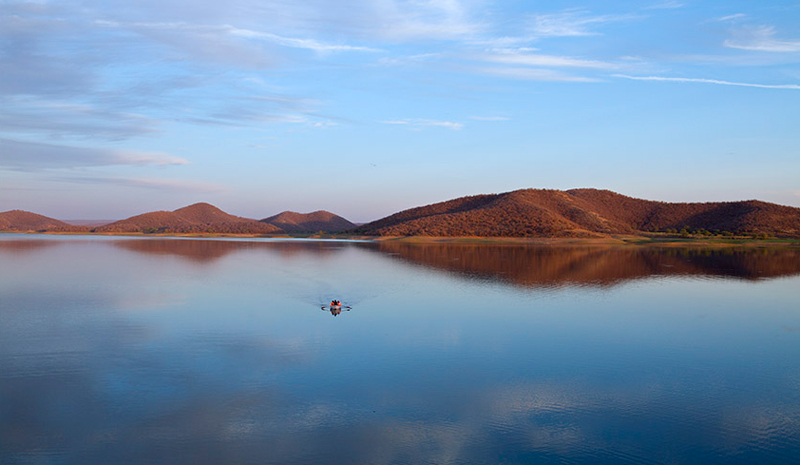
<point x="152" y="350"/>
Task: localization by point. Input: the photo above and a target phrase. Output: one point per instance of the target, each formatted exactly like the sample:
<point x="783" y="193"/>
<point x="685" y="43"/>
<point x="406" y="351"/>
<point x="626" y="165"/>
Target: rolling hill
<point x="320" y="220"/>
<point x="20" y="220"/>
<point x="581" y="213"/>
<point x="194" y="219"/>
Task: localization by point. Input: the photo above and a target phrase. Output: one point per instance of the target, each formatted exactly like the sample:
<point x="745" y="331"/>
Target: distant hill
<point x="194" y="219"/>
<point x="309" y="222"/>
<point x="582" y="213"/>
<point x="20" y="220"/>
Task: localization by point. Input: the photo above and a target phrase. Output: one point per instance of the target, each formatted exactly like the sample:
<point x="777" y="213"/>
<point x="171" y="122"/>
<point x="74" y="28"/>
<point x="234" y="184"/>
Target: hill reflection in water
<point x="521" y="265"/>
<point x="555" y="266"/>
<point x="203" y="251"/>
<point x="534" y="266"/>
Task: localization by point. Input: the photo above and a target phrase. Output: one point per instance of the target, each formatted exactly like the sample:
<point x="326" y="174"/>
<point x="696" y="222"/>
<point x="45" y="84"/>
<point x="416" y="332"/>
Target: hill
<point x="20" y="220"/>
<point x="194" y="219"/>
<point x="582" y="213"/>
<point x="309" y="222"/>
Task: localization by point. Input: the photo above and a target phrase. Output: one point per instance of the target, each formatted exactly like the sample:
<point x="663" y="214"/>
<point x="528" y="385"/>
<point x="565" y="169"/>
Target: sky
<point x="113" y="108"/>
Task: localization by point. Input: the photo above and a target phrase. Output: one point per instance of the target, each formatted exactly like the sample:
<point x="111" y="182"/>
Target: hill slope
<point x="581" y="213"/>
<point x="20" y="220"/>
<point x="197" y="218"/>
<point x="309" y="222"/>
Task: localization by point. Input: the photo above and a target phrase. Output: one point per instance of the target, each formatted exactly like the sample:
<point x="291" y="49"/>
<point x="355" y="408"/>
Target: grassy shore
<point x="650" y="239"/>
<point x="616" y="240"/>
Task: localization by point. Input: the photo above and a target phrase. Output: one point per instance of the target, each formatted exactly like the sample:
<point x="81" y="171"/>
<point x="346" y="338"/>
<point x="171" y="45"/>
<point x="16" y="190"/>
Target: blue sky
<point x="366" y="107"/>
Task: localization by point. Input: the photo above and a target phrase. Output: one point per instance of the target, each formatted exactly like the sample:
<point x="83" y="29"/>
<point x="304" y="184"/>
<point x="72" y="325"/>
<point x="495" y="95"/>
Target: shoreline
<point x="470" y="240"/>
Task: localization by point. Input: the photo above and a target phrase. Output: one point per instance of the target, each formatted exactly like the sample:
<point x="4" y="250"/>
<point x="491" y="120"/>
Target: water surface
<point x="119" y="350"/>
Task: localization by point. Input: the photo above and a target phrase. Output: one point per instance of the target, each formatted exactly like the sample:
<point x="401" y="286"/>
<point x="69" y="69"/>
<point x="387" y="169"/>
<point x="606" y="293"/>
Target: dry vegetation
<point x="309" y="222"/>
<point x="585" y="213"/>
<point x="200" y="218"/>
<point x="528" y="213"/>
<point x="22" y="221"/>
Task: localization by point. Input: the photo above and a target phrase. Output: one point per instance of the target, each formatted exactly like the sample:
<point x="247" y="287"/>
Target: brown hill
<point x="197" y="218"/>
<point x="20" y="220"/>
<point x="581" y="213"/>
<point x="309" y="222"/>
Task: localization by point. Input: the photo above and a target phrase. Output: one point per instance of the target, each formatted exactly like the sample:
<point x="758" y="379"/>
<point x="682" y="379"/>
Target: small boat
<point x="336" y="306"/>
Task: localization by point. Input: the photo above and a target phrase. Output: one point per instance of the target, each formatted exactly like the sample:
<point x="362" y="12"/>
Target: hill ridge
<point x="25" y="221"/>
<point x="582" y="212"/>
<point x="320" y="220"/>
<point x="196" y="218"/>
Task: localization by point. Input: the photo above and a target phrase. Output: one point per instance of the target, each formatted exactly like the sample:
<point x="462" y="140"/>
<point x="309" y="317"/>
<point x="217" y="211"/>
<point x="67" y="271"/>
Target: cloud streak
<point x="490" y="118"/>
<point x="59" y="118"/>
<point x="21" y="155"/>
<point x="733" y="17"/>
<point x="762" y="39"/>
<point x="231" y="31"/>
<point x="422" y="123"/>
<point x="157" y="184"/>
<point x="708" y="81"/>
<point x="535" y="74"/>
<point x="515" y="57"/>
<point x="572" y="23"/>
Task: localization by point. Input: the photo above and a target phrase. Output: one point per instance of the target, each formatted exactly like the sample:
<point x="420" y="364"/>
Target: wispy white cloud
<point x="408" y="60"/>
<point x="59" y="118"/>
<point x="158" y="184"/>
<point x="733" y="17"/>
<point x="535" y="74"/>
<point x="709" y="81"/>
<point x="423" y="19"/>
<point x="309" y="44"/>
<point x="490" y="118"/>
<point x="516" y="57"/>
<point x="228" y="30"/>
<point x="421" y="123"/>
<point x="23" y="155"/>
<point x="323" y="124"/>
<point x="572" y="23"/>
<point x="761" y="38"/>
<point x="520" y="63"/>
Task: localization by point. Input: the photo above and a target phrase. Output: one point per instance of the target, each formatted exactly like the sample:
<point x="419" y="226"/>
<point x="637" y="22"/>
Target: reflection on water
<point x="546" y="266"/>
<point x="530" y="266"/>
<point x="207" y="351"/>
<point x="23" y="246"/>
<point x="210" y="250"/>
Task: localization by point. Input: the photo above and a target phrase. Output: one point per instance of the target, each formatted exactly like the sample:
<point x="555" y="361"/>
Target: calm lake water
<point x="182" y="351"/>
